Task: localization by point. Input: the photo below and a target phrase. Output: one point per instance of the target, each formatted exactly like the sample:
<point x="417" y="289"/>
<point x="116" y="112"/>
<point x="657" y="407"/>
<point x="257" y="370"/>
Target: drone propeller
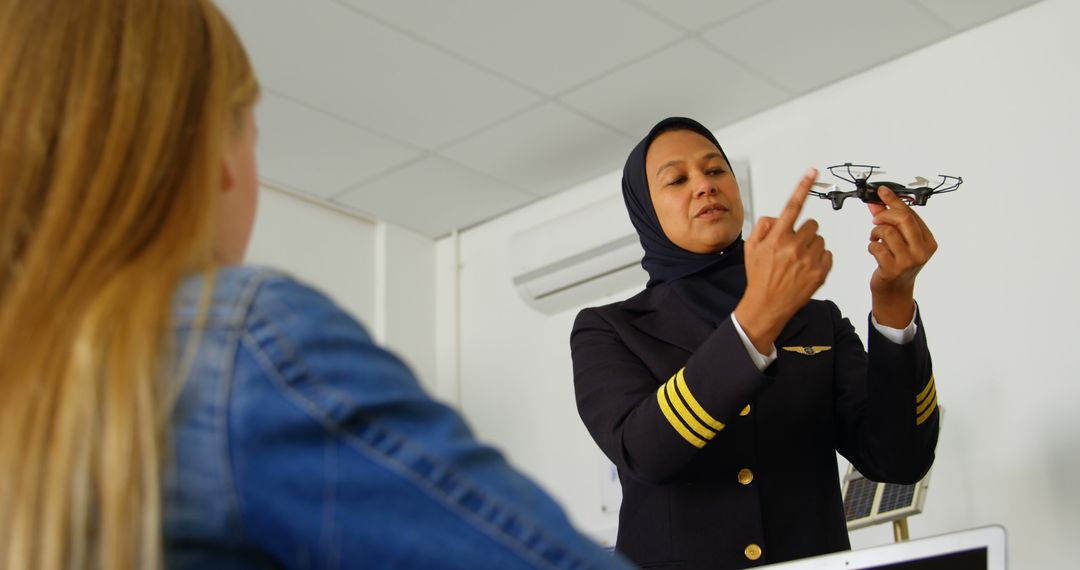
<point x="918" y="182"/>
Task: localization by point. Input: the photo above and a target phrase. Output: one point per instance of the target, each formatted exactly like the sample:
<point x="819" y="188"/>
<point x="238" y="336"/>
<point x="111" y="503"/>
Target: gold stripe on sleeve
<point x="919" y="409"/>
<point x="926" y="390"/>
<point x="674" y="420"/>
<point x="684" y="391"/>
<point x="929" y="411"/>
<point x="692" y="422"/>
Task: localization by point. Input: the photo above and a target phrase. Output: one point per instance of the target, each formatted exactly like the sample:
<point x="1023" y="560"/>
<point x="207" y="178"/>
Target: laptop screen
<point x="974" y="559"/>
<point x="975" y="549"/>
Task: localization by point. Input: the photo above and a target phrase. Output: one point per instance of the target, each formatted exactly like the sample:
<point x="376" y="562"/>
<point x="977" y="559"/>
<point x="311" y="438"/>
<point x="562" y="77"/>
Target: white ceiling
<point x="440" y="114"/>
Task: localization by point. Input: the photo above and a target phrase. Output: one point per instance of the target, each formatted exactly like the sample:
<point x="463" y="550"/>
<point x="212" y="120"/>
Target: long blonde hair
<point x="113" y="114"/>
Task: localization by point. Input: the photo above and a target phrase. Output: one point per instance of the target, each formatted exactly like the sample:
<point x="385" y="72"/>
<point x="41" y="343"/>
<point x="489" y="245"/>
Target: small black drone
<point x="915" y="193"/>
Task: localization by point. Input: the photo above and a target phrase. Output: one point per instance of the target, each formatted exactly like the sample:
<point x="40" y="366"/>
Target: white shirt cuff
<point x="760" y="360"/>
<point x="898" y="336"/>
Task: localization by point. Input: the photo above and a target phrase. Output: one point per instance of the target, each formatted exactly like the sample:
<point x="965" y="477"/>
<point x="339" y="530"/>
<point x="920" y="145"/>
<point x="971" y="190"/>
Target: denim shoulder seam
<point x="254" y="283"/>
<point x="248" y="285"/>
<point x="226" y="392"/>
<point x="235" y="324"/>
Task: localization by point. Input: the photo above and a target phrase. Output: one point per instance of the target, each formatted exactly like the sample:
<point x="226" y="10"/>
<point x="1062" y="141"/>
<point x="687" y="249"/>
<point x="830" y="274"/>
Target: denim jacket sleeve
<point x="339" y="459"/>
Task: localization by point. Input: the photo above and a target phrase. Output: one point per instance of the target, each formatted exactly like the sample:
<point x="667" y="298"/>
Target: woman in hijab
<point x="722" y="392"/>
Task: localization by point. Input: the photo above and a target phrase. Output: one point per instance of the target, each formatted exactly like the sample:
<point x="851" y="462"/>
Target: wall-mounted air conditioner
<point x="577" y="258"/>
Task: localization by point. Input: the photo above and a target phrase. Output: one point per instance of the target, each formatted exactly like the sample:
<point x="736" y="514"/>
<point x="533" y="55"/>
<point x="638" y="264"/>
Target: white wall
<point x="515" y="384"/>
<point x="329" y="249"/>
<point x="406" y="297"/>
<point x="997" y="105"/>
<point x="447" y="320"/>
<point x="382" y="274"/>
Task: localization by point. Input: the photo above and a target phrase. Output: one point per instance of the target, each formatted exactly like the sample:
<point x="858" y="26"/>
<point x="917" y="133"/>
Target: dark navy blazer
<point x="723" y="466"/>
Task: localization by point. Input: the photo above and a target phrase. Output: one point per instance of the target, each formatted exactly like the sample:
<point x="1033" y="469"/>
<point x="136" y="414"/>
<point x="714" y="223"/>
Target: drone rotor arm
<point x="828" y="189"/>
<point x="837" y="197"/>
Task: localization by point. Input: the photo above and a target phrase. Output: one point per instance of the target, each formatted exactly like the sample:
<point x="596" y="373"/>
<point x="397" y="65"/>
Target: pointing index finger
<point x="794" y="206"/>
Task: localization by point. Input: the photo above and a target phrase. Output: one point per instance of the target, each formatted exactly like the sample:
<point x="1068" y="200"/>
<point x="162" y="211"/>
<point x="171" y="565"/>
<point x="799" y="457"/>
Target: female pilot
<point x="722" y="392"/>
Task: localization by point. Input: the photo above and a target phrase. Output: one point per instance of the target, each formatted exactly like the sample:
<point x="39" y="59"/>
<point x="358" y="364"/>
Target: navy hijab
<point x="709" y="284"/>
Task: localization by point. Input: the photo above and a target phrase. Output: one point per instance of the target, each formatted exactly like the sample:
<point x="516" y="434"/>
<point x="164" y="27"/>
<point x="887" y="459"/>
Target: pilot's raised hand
<point x="901" y="243"/>
<point x="784" y="267"/>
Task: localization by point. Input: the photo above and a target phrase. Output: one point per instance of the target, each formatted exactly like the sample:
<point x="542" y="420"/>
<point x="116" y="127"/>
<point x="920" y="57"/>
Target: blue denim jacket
<point x="299" y="443"/>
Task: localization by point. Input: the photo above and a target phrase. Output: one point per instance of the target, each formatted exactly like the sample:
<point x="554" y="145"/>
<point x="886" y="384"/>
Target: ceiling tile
<point x="697" y="14"/>
<point x="434" y="196"/>
<point x="338" y="60"/>
<point x="689" y="79"/>
<point x="308" y="151"/>
<point x="431" y="114"/>
<point x="550" y="46"/>
<point x="963" y="14"/>
<point x="548" y="149"/>
<point x="803" y="45"/>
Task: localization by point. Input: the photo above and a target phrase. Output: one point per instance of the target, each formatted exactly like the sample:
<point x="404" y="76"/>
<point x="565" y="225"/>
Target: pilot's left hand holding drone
<point x="901" y="243"/>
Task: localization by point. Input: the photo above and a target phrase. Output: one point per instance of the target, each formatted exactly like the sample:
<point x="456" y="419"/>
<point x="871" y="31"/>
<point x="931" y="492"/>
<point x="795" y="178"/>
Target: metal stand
<point x="899" y="529"/>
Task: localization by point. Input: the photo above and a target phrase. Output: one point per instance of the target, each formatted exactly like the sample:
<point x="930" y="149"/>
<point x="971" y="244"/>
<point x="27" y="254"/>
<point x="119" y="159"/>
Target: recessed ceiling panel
<point x="336" y="59"/>
<point x="803" y="45"/>
<point x="549" y="46"/>
<point x="434" y="196"/>
<point x="696" y="14"/>
<point x="689" y="79"/>
<point x="305" y="150"/>
<point x="546" y="150"/>
<point x="963" y="14"/>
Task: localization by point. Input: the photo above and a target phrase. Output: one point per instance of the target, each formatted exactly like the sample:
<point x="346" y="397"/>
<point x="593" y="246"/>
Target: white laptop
<point x="975" y="549"/>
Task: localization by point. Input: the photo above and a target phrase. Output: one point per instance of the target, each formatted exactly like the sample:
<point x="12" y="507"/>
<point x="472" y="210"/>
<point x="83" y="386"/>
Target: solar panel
<point x="894" y="497"/>
<point x="859" y="498"/>
<point x="868" y="503"/>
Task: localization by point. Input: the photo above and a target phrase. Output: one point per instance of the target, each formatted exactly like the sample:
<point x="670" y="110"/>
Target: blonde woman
<point x="163" y="406"/>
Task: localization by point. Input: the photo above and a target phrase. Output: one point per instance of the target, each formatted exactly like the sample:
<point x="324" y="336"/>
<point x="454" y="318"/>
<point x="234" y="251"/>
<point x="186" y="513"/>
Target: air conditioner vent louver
<point x="577" y="258"/>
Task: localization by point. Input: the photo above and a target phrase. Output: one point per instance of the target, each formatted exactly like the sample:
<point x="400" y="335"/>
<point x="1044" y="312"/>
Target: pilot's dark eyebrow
<point x="671" y="163"/>
<point x="667" y="164"/>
